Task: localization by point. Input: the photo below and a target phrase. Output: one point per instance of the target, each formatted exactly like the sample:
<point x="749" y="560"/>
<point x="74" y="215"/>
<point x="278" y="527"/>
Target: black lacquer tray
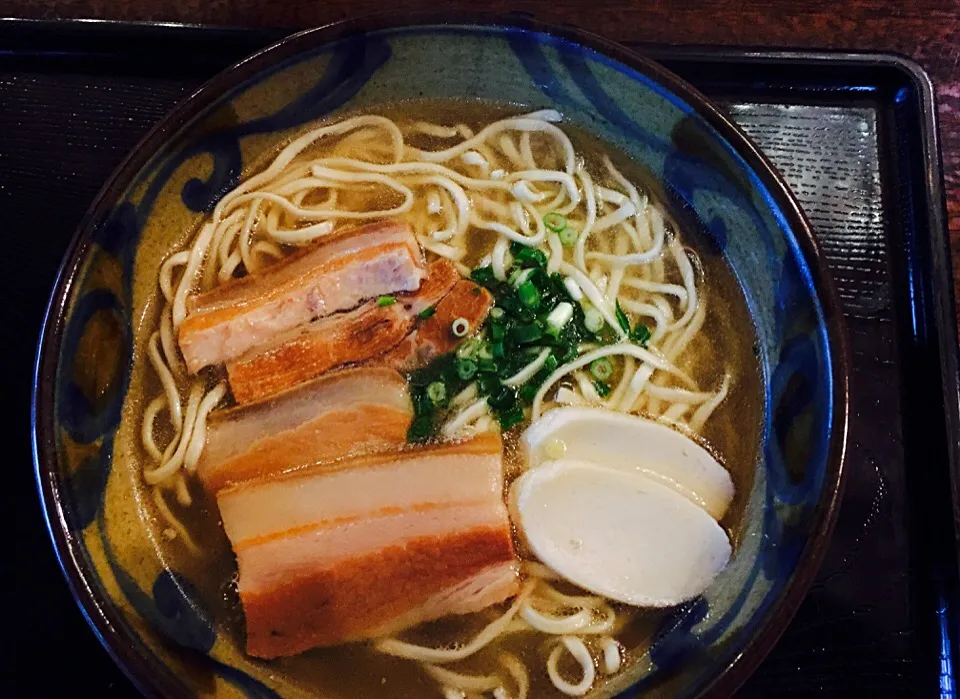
<point x="854" y="134"/>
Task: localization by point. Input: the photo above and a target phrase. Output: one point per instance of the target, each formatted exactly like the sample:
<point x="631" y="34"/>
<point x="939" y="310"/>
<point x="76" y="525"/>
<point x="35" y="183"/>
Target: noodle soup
<point x="569" y="289"/>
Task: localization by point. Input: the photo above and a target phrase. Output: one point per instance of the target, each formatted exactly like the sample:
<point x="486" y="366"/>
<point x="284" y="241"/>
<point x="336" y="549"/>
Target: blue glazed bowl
<point x="148" y="612"/>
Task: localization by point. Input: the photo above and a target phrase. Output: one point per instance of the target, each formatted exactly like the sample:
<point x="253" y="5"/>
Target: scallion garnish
<point x="538" y="311"/>
<point x="519" y="276"/>
<point x="527" y="333"/>
<point x="601" y="369"/>
<point x="421" y="429"/>
<point x="525" y="257"/>
<point x="386" y="301"/>
<point x="568" y="237"/>
<point x="466" y="369"/>
<point x="437" y="393"/>
<point x="549" y="366"/>
<point x="460" y="327"/>
<point x="529" y="295"/>
<point x="622" y="320"/>
<point x="559" y="317"/>
<point x="592" y="319"/>
<point x="510" y="416"/>
<point x="603" y="389"/>
<point x="573" y="289"/>
<point x="640" y="334"/>
<point x="467" y="349"/>
<point x="426" y="312"/>
<point x="555" y="221"/>
<point x="482" y="275"/>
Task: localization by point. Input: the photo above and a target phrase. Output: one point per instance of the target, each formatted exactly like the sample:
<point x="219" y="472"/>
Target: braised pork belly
<point x="371" y="545"/>
<point x="352" y="412"/>
<point x="334" y="275"/>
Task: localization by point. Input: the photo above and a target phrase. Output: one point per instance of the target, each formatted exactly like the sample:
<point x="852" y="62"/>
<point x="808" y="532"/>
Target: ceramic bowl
<point x="149" y="613"/>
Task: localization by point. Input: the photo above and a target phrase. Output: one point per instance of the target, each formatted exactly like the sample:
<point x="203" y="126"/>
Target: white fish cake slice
<point x="633" y="444"/>
<point x="618" y="534"/>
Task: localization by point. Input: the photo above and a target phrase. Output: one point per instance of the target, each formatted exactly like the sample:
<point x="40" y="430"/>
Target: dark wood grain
<point x="926" y="30"/>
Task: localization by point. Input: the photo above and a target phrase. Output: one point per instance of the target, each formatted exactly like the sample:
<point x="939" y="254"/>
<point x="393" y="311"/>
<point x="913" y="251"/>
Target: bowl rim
<point x="145" y="670"/>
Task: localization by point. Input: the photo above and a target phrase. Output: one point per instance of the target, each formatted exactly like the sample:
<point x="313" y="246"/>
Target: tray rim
<point x="940" y="267"/>
<point x="91" y="27"/>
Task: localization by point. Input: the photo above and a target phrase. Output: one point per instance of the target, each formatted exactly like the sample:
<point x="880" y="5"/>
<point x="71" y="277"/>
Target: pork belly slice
<point x="339" y="553"/>
<point x="340" y="415"/>
<point x="433" y="336"/>
<point x="361" y="597"/>
<point x="424" y="477"/>
<point x="335" y="275"/>
<point x="490" y="586"/>
<point x="343" y="338"/>
<point x="442" y="275"/>
<point x="312" y="349"/>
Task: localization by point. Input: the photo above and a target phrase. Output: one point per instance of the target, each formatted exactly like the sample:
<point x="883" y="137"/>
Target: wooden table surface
<point x="926" y="30"/>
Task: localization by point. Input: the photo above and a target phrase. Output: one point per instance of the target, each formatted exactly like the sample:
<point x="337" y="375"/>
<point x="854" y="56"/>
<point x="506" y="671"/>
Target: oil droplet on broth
<point x="555" y="449"/>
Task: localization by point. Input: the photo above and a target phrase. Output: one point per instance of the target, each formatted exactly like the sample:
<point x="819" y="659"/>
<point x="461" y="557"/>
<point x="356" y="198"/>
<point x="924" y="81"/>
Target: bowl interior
<point x="151" y="614"/>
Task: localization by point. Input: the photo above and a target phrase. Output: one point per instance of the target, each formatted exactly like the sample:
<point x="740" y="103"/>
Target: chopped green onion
<point x="570" y="284"/>
<point x="421" y="429"/>
<point x="466" y="369"/>
<point x="529" y="295"/>
<point x="622" y="319"/>
<point x="485" y="351"/>
<point x="601" y="369"/>
<point x="549" y="365"/>
<point x="526" y="315"/>
<point x="488" y="384"/>
<point x="529" y="391"/>
<point x="592" y="319"/>
<point x="641" y="334"/>
<point x="460" y="327"/>
<point x="421" y="403"/>
<point x="496" y="313"/>
<point x="498" y="395"/>
<point x="437" y="392"/>
<point x="568" y="237"/>
<point x="506" y="369"/>
<point x="524" y="334"/>
<point x="519" y="276"/>
<point x="603" y="389"/>
<point x="560" y="316"/>
<point x="527" y="257"/>
<point x="555" y="221"/>
<point x="497" y="350"/>
<point x="467" y="349"/>
<point x="386" y="301"/>
<point x="497" y="331"/>
<point x="508" y="301"/>
<point x="567" y="353"/>
<point x="510" y="417"/>
<point x="482" y="274"/>
<point x="426" y="312"/>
